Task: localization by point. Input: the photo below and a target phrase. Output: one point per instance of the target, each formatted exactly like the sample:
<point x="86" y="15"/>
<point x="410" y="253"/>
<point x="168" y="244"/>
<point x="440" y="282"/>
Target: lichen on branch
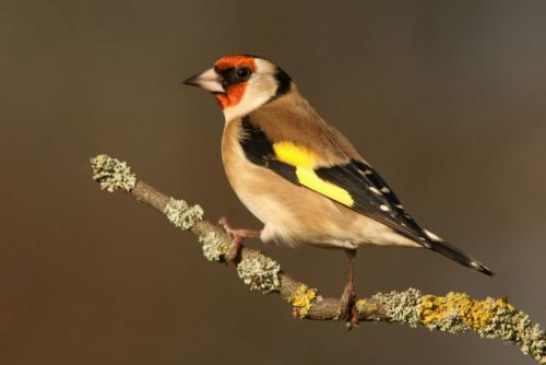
<point x="112" y="174"/>
<point x="452" y="313"/>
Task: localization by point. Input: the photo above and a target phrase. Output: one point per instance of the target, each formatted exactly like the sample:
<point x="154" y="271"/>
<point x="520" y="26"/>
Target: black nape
<point x="284" y="81"/>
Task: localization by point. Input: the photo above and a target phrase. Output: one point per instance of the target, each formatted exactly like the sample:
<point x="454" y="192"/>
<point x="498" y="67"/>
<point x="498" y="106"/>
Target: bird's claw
<point x="348" y="303"/>
<point x="238" y="234"/>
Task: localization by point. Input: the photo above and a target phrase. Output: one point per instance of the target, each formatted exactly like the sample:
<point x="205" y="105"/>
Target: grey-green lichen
<point x="182" y="215"/>
<point x="261" y="273"/>
<point x="214" y="248"/>
<point x="112" y="174"/>
<point x="401" y="307"/>
<point x="517" y="327"/>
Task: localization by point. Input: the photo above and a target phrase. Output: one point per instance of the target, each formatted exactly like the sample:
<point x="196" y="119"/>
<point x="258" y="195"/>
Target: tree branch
<point x="453" y="313"/>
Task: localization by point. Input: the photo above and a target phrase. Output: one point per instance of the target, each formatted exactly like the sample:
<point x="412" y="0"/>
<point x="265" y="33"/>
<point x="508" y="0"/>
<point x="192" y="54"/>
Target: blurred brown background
<point x="445" y="98"/>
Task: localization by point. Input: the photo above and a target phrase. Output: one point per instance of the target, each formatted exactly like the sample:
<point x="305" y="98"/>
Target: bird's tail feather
<point x="454" y="253"/>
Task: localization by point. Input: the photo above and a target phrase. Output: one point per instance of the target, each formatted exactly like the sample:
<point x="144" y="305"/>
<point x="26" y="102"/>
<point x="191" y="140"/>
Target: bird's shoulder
<point x="291" y="122"/>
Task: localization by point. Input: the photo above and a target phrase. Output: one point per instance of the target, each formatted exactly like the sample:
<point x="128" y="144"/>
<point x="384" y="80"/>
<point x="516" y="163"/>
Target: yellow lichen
<point x="302" y="300"/>
<point x="360" y="304"/>
<point x="504" y="304"/>
<point x="460" y="308"/>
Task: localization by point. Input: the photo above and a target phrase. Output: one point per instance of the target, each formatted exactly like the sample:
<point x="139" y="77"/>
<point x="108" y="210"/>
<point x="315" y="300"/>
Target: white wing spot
<point x="385" y="190"/>
<point x="368" y="172"/>
<point x="384" y="208"/>
<point x="432" y="236"/>
<point x="374" y="190"/>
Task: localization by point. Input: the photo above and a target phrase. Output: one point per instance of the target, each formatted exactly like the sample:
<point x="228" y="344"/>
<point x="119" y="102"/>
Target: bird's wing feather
<point x="351" y="182"/>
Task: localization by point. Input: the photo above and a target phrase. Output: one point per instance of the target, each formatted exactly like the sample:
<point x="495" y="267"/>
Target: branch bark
<point x="453" y="313"/>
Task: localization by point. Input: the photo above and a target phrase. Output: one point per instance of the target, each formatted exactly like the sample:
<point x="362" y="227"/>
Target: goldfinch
<point x="300" y="176"/>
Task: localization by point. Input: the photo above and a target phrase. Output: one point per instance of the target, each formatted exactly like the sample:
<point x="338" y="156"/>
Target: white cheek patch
<point x="261" y="88"/>
<point x="254" y="97"/>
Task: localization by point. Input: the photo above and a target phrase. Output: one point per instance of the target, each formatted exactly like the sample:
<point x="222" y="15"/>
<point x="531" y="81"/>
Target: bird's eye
<point x="243" y="72"/>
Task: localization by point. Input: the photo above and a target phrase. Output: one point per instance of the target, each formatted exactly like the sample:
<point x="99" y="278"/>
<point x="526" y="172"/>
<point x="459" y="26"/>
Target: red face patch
<point x="235" y="61"/>
<point x="234" y="92"/>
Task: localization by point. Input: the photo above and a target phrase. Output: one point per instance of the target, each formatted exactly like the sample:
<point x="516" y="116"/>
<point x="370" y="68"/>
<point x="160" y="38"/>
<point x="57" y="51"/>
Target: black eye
<point x="243" y="72"/>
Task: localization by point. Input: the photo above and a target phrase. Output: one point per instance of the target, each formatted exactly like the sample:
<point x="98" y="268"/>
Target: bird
<point x="300" y="176"/>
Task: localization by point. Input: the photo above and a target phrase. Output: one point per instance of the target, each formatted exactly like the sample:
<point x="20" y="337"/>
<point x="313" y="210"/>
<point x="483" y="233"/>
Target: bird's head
<point x="242" y="83"/>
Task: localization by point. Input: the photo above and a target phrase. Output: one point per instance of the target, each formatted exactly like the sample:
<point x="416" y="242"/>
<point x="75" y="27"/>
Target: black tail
<point x="448" y="250"/>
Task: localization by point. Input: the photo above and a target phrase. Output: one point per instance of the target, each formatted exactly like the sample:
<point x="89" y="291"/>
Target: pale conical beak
<point x="207" y="80"/>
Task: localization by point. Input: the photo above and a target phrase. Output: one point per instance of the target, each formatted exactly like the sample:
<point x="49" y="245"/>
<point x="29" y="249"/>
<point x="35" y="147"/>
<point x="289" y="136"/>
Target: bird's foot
<point x="348" y="306"/>
<point x="238" y="234"/>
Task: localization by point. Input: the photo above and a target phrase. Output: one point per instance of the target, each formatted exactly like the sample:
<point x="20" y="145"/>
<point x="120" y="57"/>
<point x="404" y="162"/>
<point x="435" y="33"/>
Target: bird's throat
<point x="233" y="95"/>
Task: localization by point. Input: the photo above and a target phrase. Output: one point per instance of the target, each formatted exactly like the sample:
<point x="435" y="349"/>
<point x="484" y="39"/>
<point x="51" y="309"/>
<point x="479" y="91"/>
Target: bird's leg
<point x="348" y="298"/>
<point x="238" y="234"/>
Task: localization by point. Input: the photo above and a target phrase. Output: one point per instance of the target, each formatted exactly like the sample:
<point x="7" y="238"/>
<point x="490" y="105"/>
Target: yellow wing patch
<point x="309" y="178"/>
<point x="304" y="160"/>
<point x="295" y="155"/>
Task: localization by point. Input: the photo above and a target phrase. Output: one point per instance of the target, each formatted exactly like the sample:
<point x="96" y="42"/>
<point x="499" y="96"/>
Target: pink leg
<point x="238" y="235"/>
<point x="348" y="298"/>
